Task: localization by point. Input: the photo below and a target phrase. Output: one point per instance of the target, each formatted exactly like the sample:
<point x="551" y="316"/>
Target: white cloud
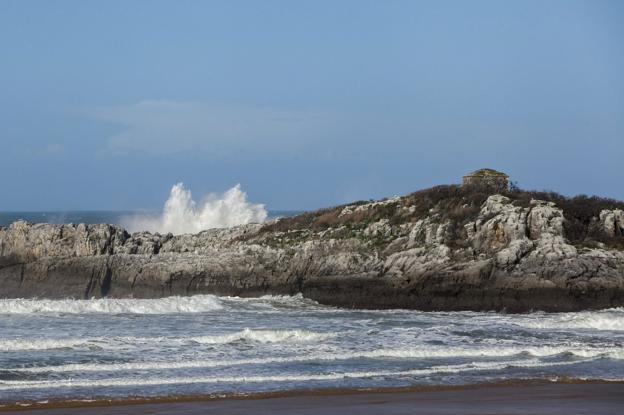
<point x="163" y="127"/>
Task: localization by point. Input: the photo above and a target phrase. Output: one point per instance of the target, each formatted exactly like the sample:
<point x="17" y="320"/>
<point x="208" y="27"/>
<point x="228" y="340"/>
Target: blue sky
<point x="107" y="104"/>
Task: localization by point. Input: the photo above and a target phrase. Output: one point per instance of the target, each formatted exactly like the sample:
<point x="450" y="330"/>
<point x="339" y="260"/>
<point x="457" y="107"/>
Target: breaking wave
<point x="249" y="335"/>
<point x="116" y="382"/>
<point x="611" y="320"/>
<point x="410" y="353"/>
<point x="10" y="345"/>
<point x="181" y="214"/>
<point x="168" y="305"/>
<point x="263" y="336"/>
<point x="223" y="345"/>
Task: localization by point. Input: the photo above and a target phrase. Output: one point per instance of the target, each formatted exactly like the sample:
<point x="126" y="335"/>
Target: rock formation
<point x="612" y="221"/>
<point x="441" y="249"/>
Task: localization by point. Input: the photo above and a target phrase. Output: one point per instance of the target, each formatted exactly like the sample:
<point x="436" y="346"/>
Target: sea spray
<point x="181" y="214"/>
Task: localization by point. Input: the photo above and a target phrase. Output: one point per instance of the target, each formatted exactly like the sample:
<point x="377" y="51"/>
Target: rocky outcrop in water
<point x="457" y="252"/>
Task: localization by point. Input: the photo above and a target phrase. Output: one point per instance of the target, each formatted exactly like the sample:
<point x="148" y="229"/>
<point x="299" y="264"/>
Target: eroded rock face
<point x="511" y="232"/>
<point x="499" y="223"/>
<point x="427" y="232"/>
<point x="29" y="241"/>
<point x="512" y="257"/>
<point x="612" y="222"/>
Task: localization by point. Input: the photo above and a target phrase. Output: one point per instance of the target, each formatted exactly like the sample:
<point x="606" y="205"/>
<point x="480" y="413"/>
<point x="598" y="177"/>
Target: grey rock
<point x="612" y="222"/>
<point x="512" y="257"/>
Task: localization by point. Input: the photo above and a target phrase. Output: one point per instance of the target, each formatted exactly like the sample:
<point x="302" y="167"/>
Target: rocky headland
<point x="445" y="248"/>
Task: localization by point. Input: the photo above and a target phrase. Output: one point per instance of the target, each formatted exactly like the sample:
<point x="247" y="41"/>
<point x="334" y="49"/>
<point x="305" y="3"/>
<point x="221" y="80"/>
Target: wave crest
<point x="339" y="375"/>
<point x="168" y="305"/>
<point x="264" y="336"/>
<point x="609" y="320"/>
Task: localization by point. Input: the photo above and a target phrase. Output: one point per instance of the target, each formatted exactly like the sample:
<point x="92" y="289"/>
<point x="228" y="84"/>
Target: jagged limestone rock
<point x="499" y="223"/>
<point x="612" y="222"/>
<point x="505" y="256"/>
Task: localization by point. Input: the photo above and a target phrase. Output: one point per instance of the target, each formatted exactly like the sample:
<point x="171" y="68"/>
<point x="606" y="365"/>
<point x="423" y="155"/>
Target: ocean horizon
<point x="112" y="217"/>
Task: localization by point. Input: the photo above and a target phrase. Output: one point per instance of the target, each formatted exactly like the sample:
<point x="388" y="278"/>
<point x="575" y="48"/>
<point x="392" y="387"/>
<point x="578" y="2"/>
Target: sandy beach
<point x="595" y="398"/>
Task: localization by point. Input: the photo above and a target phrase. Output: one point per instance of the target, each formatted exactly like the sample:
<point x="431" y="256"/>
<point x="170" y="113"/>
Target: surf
<point x="182" y="214"/>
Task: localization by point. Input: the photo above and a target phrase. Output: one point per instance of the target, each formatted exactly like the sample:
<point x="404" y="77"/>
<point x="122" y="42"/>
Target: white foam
<point x="168" y="305"/>
<point x="182" y="214"/>
<point x="612" y="320"/>
<point x="104" y="343"/>
<point x="263" y="336"/>
<point x="116" y="382"/>
<point x="410" y="353"/>
<point x="260" y="336"/>
<point x="8" y="345"/>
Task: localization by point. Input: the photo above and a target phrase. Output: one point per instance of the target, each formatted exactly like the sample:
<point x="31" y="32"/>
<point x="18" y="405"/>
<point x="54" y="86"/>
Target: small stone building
<point x="487" y="178"/>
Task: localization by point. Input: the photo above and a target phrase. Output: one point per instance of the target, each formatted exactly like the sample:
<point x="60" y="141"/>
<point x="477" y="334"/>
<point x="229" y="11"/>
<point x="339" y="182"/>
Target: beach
<point x="532" y="397"/>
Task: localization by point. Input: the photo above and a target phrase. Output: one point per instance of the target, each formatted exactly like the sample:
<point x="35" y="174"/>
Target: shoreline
<point x="556" y="389"/>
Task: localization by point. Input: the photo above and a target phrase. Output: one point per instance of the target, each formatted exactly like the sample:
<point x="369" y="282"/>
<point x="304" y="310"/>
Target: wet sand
<point x="592" y="398"/>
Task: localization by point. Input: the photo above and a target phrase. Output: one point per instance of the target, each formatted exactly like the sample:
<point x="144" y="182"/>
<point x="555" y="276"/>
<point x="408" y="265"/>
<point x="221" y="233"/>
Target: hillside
<point x="588" y="221"/>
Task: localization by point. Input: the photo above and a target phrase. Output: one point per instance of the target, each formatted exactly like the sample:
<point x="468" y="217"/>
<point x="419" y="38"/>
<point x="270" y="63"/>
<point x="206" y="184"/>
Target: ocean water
<point x="113" y="217"/>
<point x="103" y="348"/>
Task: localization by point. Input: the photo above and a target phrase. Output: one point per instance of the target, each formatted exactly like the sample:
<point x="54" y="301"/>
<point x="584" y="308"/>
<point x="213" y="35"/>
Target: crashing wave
<point x="116" y="382"/>
<point x="168" y="305"/>
<point x="29" y="344"/>
<point x="181" y="214"/>
<point x="611" y="319"/>
<point x="263" y="336"/>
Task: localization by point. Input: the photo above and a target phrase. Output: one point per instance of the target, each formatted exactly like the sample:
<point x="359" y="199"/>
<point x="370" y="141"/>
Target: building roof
<point x="486" y="172"/>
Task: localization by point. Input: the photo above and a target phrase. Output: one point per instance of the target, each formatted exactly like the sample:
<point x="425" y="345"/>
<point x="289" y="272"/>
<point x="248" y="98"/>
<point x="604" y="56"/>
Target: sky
<point x="104" y="105"/>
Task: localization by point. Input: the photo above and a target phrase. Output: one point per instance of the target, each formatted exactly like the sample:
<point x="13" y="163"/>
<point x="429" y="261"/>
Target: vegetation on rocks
<point x="456" y="206"/>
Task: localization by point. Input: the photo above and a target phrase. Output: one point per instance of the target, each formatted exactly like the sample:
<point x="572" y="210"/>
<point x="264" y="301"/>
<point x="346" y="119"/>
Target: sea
<point x="114" y="217"/>
<point x="77" y="349"/>
<point x="209" y="345"/>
